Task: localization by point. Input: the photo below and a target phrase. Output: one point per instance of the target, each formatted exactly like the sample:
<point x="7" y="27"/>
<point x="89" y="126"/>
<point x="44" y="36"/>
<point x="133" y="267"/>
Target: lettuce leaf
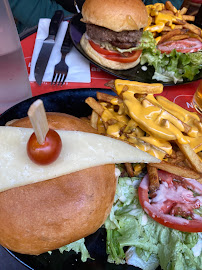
<point x="169" y="67"/>
<point x="149" y="242"/>
<point x="77" y="246"/>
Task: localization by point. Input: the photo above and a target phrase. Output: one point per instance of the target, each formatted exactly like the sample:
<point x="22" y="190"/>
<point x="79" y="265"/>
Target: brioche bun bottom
<point x="44" y="216"/>
<point x="102" y="60"/>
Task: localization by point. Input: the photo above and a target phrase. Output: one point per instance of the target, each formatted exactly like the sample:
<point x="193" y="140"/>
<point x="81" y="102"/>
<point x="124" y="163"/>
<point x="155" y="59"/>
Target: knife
<point x="47" y="46"/>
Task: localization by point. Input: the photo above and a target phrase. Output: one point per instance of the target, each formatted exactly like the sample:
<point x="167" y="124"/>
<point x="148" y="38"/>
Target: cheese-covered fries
<point x="164" y="18"/>
<point x="153" y="124"/>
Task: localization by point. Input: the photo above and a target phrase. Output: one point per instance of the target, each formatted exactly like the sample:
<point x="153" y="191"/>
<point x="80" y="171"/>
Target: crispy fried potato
<point x="188" y="18"/>
<point x="191" y="156"/>
<point x="178" y="37"/>
<point x="94" y="120"/>
<point x="196" y="30"/>
<point x="156" y="126"/>
<point x="172" y="33"/>
<point x="176" y="169"/>
<point x="96" y="106"/>
<point x="153" y="178"/>
<point x="129" y="169"/>
<point x="138" y="87"/>
<point x="183" y="10"/>
<point x="167" y="19"/>
<point x="170" y="6"/>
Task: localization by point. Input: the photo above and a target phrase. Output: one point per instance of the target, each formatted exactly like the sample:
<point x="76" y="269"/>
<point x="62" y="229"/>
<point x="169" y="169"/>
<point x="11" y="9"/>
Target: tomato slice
<point x="183" y="46"/>
<point x="116" y="56"/>
<point x="174" y="198"/>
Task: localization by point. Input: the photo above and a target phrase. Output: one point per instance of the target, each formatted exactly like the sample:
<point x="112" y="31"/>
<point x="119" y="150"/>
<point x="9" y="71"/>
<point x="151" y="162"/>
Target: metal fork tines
<point x="61" y="69"/>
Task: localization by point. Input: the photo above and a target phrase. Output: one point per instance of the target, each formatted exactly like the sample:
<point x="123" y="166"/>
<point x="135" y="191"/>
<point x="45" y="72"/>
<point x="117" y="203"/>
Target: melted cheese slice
<point x="80" y="150"/>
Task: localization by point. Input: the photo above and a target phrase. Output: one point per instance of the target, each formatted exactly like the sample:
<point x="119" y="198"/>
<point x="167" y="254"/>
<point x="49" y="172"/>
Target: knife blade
<point x="47" y="46"/>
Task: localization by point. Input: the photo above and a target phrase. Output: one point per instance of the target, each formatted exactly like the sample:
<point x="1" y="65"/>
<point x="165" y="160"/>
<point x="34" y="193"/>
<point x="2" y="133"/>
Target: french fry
<point x="193" y="35"/>
<point x="177" y="170"/>
<point x="188" y="18"/>
<point x="138" y="87"/>
<point x="183" y="10"/>
<point x="165" y="11"/>
<point x="179" y="21"/>
<point x="171" y="34"/>
<point x="154" y="125"/>
<point x="178" y="26"/>
<point x="193" y="28"/>
<point x="191" y="156"/>
<point x="169" y="19"/>
<point x="178" y="37"/>
<point x="170" y="6"/>
<point x="153" y="178"/>
<point x="107" y="98"/>
<point x="185" y="126"/>
<point x="111" y="84"/>
<point x="166" y="29"/>
<point x="129" y="169"/>
<point x="156" y="27"/>
<point x="177" y="159"/>
<point x="96" y="106"/>
<point x="94" y="120"/>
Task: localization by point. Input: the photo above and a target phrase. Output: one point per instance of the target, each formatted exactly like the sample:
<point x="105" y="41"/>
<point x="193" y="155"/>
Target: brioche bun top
<point x="117" y="15"/>
<point x="44" y="216"/>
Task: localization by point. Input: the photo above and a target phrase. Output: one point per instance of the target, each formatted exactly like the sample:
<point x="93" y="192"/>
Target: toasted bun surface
<point x="117" y="15"/>
<point x="47" y="215"/>
<point x="102" y="60"/>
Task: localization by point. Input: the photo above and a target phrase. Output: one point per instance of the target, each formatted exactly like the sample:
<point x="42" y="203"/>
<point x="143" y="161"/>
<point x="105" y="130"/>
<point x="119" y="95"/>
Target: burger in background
<point x="113" y="31"/>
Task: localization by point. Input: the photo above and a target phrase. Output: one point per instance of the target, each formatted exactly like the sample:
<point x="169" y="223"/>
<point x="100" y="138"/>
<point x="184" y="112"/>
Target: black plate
<point x="71" y="102"/>
<point x="77" y="29"/>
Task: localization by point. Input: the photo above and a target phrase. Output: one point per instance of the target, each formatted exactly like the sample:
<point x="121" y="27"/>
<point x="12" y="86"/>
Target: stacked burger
<point x="113" y="31"/>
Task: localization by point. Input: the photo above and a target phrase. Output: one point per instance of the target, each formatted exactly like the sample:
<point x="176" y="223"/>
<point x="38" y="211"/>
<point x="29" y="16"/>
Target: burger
<point x="42" y="215"/>
<point x="47" y="215"/>
<point x="113" y="31"/>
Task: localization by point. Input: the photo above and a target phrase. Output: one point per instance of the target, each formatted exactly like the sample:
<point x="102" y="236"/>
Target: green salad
<point x="136" y="239"/>
<point x="174" y="66"/>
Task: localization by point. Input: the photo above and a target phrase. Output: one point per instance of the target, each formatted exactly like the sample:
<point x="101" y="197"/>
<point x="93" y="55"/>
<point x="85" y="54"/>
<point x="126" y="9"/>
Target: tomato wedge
<point x="116" y="56"/>
<point x="173" y="203"/>
<point x="183" y="46"/>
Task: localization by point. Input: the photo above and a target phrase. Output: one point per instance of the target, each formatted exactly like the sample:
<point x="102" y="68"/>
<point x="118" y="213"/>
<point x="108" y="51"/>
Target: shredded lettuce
<point x="174" y="66"/>
<point x="149" y="242"/>
<point x="77" y="246"/>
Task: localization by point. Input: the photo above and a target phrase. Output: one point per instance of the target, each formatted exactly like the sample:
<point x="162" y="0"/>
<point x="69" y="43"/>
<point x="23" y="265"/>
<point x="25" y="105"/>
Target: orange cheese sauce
<point x="150" y="123"/>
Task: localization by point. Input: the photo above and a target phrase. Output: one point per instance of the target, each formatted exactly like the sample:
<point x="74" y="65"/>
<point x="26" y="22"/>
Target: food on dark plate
<point x="156" y="217"/>
<point x="174" y="44"/>
<point x="44" y="216"/>
<point x="112" y="29"/>
<point x="66" y="200"/>
<point x="171" y="237"/>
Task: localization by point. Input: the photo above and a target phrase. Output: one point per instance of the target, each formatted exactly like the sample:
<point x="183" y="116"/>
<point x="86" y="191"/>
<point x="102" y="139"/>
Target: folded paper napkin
<point x="79" y="67"/>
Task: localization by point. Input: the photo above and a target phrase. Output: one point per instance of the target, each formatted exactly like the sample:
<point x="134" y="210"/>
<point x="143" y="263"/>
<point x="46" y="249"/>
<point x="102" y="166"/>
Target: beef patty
<point x="124" y="39"/>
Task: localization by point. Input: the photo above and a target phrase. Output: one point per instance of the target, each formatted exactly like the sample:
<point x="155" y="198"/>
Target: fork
<point x="61" y="69"/>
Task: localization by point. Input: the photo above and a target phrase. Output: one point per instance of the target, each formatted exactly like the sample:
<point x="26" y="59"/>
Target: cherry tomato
<point x="46" y="153"/>
<point x="116" y="56"/>
<point x="183" y="46"/>
<point x="173" y="203"/>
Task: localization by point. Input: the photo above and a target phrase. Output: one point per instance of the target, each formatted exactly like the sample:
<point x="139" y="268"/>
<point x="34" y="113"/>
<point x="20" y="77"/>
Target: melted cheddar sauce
<point x="150" y="123"/>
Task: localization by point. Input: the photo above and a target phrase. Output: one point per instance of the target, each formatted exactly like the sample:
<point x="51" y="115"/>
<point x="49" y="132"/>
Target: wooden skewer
<point x="37" y="116"/>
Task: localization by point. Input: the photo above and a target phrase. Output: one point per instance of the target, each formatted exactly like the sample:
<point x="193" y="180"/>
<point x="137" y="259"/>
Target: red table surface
<point x="180" y="94"/>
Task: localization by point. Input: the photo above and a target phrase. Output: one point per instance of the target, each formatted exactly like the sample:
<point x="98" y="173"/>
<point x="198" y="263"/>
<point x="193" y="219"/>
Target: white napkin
<point x="79" y="67"/>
